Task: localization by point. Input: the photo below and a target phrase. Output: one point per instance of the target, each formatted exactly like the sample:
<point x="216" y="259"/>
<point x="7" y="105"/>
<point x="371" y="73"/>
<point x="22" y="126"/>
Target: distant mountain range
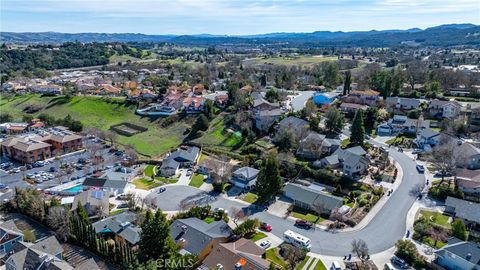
<point x="443" y="35"/>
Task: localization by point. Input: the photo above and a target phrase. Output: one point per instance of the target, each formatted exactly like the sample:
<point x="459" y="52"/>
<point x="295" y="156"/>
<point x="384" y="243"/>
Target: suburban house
<point x="427" y="138"/>
<point x="352" y="161"/>
<point x="468" y="156"/>
<point x="468" y="181"/>
<point x="32" y="147"/>
<point x="169" y="167"/>
<point x="141" y="94"/>
<point x="315" y="145"/>
<point x="466" y="210"/>
<point x="221" y="100"/>
<point x="458" y="254"/>
<point x="244" y="178"/>
<point x="47" y="88"/>
<point x="195" y="236"/>
<point x="366" y="97"/>
<point x="265" y="119"/>
<point x="313" y="197"/>
<point x="261" y="104"/>
<point x="402" y="124"/>
<point x="352" y="108"/>
<point x="444" y="109"/>
<point x="193" y="104"/>
<point x="13" y="128"/>
<point x="120" y="226"/>
<point x="242" y="254"/>
<point x="108" y="90"/>
<point x="398" y="104"/>
<point x="9" y="235"/>
<point x="186" y="157"/>
<point x="297" y="126"/>
<point x="114" y="183"/>
<point x="95" y="202"/>
<point x="27" y="256"/>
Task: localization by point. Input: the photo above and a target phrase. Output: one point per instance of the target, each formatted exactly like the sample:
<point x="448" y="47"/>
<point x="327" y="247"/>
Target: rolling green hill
<point x="101" y="113"/>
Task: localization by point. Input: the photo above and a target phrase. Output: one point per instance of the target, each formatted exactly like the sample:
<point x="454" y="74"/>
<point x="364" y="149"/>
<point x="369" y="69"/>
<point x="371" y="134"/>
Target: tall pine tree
<point x="155" y="241"/>
<point x="268" y="180"/>
<point x="347" y="82"/>
<point x="357" y="130"/>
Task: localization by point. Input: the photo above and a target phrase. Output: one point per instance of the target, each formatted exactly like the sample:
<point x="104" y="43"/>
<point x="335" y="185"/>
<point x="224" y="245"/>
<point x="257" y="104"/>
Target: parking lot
<point x="56" y="170"/>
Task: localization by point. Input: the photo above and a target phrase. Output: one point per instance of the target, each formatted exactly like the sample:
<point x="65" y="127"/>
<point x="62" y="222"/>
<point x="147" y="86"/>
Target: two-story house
<point x="458" y="255"/>
<point x="444" y="109"/>
<point x="9" y="235"/>
<point x="245" y="177"/>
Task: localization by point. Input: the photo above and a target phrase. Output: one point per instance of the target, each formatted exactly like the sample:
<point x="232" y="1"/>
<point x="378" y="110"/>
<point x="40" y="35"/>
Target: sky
<point x="230" y="17"/>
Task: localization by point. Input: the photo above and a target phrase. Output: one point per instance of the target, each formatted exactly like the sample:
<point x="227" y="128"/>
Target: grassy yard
<point x="101" y="113"/>
<point x="209" y="220"/>
<point x="437" y="218"/>
<point x="258" y="236"/>
<point x="300" y="60"/>
<point x="320" y="266"/>
<point x="272" y="256"/>
<point x="250" y="197"/>
<point x="146" y="184"/>
<point x="302" y="264"/>
<point x="149" y="170"/>
<point x="197" y="180"/>
<point x="217" y="135"/>
<point x="430" y="242"/>
<point x="306" y="215"/>
<point x="117" y="211"/>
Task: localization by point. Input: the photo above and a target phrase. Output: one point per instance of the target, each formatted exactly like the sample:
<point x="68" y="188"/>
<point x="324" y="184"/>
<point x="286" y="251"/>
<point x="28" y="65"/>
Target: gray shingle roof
<point x="312" y="196"/>
<point x="429" y="133"/>
<point x="169" y="163"/>
<point x="31" y="256"/>
<point x="247" y="172"/>
<point x="121" y="225"/>
<point x="186" y="155"/>
<point x="463" y="250"/>
<point x="197" y="234"/>
<point x="464" y="209"/>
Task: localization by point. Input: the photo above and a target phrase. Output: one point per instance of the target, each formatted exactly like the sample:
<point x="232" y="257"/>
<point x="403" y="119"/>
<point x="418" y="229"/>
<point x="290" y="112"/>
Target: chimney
<point x="468" y="257"/>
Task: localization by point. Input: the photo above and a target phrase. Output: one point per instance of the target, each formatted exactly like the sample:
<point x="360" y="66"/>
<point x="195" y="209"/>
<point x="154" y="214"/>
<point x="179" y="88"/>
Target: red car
<point x="266" y="227"/>
<point x="303" y="224"/>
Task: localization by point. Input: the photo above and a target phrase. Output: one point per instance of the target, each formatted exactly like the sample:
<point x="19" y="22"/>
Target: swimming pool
<point x="74" y="189"/>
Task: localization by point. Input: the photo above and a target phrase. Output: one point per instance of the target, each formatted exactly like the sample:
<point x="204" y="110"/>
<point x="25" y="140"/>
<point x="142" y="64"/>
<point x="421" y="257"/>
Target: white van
<point x="388" y="266"/>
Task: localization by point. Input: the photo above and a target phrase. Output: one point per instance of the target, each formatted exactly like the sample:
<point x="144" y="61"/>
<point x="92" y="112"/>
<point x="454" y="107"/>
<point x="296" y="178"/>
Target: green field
<point x="101" y="113"/>
<point x="292" y="61"/>
<point x="217" y="135"/>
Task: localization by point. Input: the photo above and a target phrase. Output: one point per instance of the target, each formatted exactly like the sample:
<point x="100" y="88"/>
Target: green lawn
<point x="217" y="135"/>
<point x="302" y="264"/>
<point x="197" y="180"/>
<point x="149" y="171"/>
<point x="250" y="197"/>
<point x="209" y="220"/>
<point x="118" y="211"/>
<point x="320" y="266"/>
<point x="272" y="256"/>
<point x="258" y="236"/>
<point x="306" y="215"/>
<point x="430" y="242"/>
<point x="146" y="184"/>
<point x="101" y="113"/>
<point x="437" y="218"/>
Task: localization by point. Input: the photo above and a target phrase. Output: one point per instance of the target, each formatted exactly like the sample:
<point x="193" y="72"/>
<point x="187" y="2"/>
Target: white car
<point x="265" y="244"/>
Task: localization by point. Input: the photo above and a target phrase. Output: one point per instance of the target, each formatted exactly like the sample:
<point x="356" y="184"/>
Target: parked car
<point x="335" y="266"/>
<point x="162" y="189"/>
<point x="399" y="262"/>
<point x="52" y="169"/>
<point x="266" y="227"/>
<point x="303" y="224"/>
<point x="265" y="244"/>
<point x="420" y="168"/>
<point x="444" y="174"/>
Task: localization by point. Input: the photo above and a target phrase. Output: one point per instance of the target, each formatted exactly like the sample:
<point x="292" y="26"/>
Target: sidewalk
<point x="378" y="206"/>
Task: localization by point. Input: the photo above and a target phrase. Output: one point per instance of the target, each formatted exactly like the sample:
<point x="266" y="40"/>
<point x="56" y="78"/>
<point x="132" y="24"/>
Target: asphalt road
<point x="383" y="231"/>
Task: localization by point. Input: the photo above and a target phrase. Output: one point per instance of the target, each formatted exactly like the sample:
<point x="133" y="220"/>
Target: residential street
<point x="386" y="228"/>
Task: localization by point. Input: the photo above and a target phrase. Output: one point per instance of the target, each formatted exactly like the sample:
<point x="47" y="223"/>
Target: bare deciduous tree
<point x="360" y="248"/>
<point x="58" y="219"/>
<point x="416" y="190"/>
<point x="237" y="215"/>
